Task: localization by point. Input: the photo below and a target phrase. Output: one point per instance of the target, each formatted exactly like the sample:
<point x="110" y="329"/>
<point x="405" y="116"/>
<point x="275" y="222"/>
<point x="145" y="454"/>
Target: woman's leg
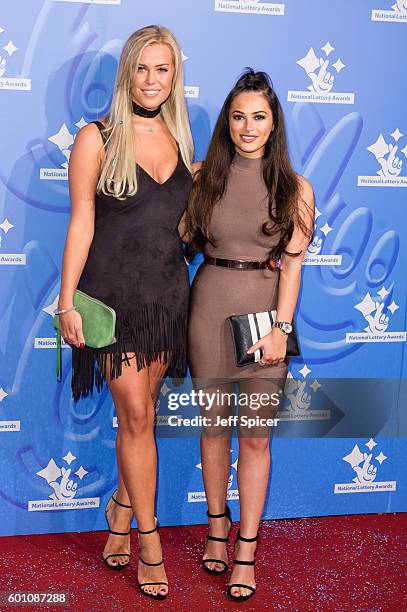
<point x="137" y="459"/>
<point x="215" y="454"/>
<point x="252" y="475"/>
<point x="119" y="518"/>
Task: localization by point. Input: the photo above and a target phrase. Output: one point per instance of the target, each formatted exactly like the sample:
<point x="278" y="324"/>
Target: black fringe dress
<point x="136" y="265"/>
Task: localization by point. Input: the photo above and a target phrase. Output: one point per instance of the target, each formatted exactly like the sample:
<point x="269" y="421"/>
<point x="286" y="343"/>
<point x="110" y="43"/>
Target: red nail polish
<point x="82" y="346"/>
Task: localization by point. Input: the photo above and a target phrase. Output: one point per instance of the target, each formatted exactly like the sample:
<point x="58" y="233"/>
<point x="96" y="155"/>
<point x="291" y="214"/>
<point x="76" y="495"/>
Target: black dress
<point x="136" y="265"/>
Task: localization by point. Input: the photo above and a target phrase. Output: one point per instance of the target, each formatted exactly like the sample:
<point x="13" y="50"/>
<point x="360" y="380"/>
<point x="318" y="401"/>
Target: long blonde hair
<point x="118" y="173"/>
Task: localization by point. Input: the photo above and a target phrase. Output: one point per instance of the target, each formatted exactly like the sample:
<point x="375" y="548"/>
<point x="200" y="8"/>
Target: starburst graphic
<point x="309" y="62"/>
<point x="51" y="472"/>
<point x="81" y="123"/>
<point x="51" y="307"/>
<point x="304" y="370"/>
<point x="393" y="307"/>
<point x="338" y="65"/>
<point x="383" y="292"/>
<point x="81" y="472"/>
<point x="379" y="148"/>
<point x="3" y="394"/>
<point x="328" y="48"/>
<point x="6" y="225"/>
<point x="69" y="458"/>
<point x="396" y="135"/>
<point x="63" y="139"/>
<point x="10" y="48"/>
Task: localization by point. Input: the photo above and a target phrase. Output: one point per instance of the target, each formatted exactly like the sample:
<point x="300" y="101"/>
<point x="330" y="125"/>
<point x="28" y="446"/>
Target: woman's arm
<point x="181" y="226"/>
<point x="84" y="169"/>
<point x="274" y="345"/>
<point x="290" y="267"/>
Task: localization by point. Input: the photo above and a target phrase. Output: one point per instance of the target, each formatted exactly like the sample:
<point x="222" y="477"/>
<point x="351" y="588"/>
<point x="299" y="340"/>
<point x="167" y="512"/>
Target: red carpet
<point x="341" y="563"/>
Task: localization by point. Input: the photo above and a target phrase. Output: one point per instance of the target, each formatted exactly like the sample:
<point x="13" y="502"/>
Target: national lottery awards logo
<point x="232" y="493"/>
<point x="9" y="259"/>
<point x="64" y="485"/>
<point x="299" y="395"/>
<point x="314" y="256"/>
<point x="397" y="14"/>
<point x="365" y="468"/>
<point x="63" y="140"/>
<point x="321" y="79"/>
<point x="390" y="162"/>
<point x="7" y="425"/>
<point x="253" y="7"/>
<point x="377" y="312"/>
<point x="7" y="52"/>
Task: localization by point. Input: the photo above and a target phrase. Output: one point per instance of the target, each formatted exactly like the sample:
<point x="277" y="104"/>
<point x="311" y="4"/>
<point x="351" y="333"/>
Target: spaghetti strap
<point x="102" y="129"/>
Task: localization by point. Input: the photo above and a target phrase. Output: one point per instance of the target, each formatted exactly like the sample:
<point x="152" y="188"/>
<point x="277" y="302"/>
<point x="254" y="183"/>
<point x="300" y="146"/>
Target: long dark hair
<point x="280" y="179"/>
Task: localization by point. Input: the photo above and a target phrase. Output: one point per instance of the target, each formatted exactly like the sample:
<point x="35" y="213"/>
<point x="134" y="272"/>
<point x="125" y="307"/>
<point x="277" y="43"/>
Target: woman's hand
<point x="70" y="324"/>
<point x="274" y="347"/>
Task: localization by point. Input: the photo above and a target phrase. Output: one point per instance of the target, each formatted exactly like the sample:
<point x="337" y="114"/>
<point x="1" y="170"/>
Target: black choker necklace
<point x="144" y="112"/>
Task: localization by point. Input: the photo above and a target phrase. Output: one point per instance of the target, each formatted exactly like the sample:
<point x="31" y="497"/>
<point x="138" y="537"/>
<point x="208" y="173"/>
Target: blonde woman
<point x="129" y="179"/>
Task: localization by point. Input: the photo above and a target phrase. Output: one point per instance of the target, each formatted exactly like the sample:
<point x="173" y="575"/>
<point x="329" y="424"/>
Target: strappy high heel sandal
<point x="142" y="584"/>
<point x="227" y="513"/>
<point x="105" y="559"/>
<point x="238" y="562"/>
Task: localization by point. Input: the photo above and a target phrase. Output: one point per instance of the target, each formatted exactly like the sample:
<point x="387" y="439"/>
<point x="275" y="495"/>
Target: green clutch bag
<point x="98" y="324"/>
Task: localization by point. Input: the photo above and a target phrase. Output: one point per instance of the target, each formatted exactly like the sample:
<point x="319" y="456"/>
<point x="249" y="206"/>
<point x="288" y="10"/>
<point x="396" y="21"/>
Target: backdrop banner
<point x="338" y="445"/>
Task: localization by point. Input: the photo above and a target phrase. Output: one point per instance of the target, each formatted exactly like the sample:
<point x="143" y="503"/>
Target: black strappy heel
<point x="108" y="506"/>
<point x="157" y="595"/>
<point x="238" y="562"/>
<point x="227" y="513"/>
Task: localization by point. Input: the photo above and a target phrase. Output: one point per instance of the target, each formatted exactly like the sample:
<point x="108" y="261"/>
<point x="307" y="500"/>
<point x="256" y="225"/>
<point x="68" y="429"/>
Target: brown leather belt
<point x="240" y="264"/>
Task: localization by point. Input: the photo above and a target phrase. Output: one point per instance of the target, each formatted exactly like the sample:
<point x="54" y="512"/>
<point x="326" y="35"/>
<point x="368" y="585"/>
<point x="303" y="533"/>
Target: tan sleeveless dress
<point x="218" y="292"/>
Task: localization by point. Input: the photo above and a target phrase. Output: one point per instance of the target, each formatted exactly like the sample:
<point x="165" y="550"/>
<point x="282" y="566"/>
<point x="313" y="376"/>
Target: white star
<point x="6" y="225"/>
<point x="383" y="292"/>
<point x="69" y="458"/>
<point x="184" y="57"/>
<point x="371" y="444"/>
<point x="289" y="375"/>
<point x="366" y="306"/>
<point x="315" y="385"/>
<point x="325" y="229"/>
<point x="355" y="457"/>
<point x="81" y="472"/>
<point x="404" y="151"/>
<point x="317" y="213"/>
<point x="234" y="465"/>
<point x="81" y="123"/>
<point x="379" y="148"/>
<point x="338" y="65"/>
<point x="51" y="307"/>
<point x="199" y="466"/>
<point x="305" y="370"/>
<point x="10" y="48"/>
<point x="393" y="307"/>
<point x="3" y="394"/>
<point x="309" y="62"/>
<point x="63" y="139"/>
<point x="2" y="30"/>
<point x="51" y="472"/>
<point x="381" y="457"/>
<point x="327" y="48"/>
<point x="396" y="134"/>
<point x="164" y="389"/>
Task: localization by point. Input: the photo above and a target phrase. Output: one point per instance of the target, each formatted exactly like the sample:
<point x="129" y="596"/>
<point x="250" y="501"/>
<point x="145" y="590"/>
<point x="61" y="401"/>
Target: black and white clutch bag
<point x="247" y="329"/>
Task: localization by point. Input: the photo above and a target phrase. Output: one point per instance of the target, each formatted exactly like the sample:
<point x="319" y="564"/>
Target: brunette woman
<point x="248" y="210"/>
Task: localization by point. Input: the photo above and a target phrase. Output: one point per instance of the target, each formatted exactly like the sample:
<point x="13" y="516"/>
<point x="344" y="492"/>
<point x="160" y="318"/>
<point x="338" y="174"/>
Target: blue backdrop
<point x="336" y="68"/>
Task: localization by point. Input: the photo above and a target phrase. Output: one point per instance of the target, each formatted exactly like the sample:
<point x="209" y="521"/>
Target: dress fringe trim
<point x="151" y="330"/>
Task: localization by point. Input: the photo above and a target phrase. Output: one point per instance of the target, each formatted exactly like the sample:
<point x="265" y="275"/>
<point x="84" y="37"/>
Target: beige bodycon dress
<point x="220" y="292"/>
